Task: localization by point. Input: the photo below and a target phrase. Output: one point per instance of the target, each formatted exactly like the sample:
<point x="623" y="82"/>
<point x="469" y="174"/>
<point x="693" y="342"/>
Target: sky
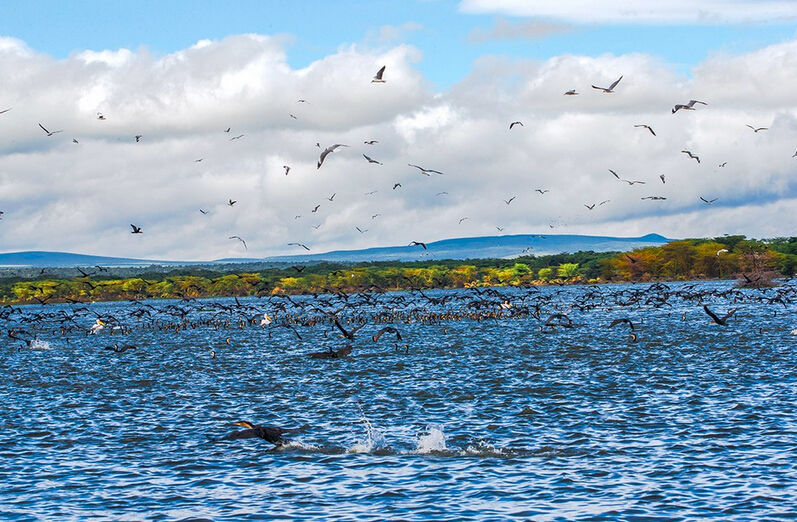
<point x="179" y="74"/>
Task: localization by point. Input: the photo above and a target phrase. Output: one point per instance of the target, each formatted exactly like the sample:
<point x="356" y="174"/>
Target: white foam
<point x="374" y="438"/>
<point x="433" y="440"/>
<point x="38" y="344"/>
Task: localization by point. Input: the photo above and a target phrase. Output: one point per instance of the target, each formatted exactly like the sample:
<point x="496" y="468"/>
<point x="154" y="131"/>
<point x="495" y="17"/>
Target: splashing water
<point x="38" y="344"/>
<point x="374" y="438"/>
<point x="433" y="440"/>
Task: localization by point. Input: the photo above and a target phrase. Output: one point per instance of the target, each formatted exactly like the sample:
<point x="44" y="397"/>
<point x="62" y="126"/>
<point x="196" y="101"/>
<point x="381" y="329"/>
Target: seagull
<point x="688" y="107"/>
<point x="232" y="202"/>
<point x="375" y="216"/>
<point x="330" y="198"/>
<point x="316" y="227"/>
<point x="239" y="239"/>
<point x="515" y="123"/>
<point x="138" y="137"/>
<point x="661" y="177"/>
<point x="237" y="137"/>
<point x="510" y="200"/>
<point x="327" y="151"/>
<point x="590" y="207"/>
<point x="571" y="92"/>
<point x="378" y="76"/>
<point x="299" y="244"/>
<point x="74" y="140"/>
<point x="722" y="165"/>
<point x="48" y="132"/>
<point x="302" y="101"/>
<point x="462" y="219"/>
<point x="756" y="129"/>
<point x="287" y="169"/>
<point x="205" y="212"/>
<point x="633" y="182"/>
<point x="708" y="201"/>
<point x="371" y="142"/>
<point x="604" y="202"/>
<point x="500" y="229"/>
<point x="425" y="171"/>
<point x="654" y="198"/>
<point x="441" y="194"/>
<point x="693" y="156"/>
<point x="228" y="129"/>
<point x="198" y="160"/>
<point x="370" y="160"/>
<point x="610" y="88"/>
<point x="542" y="191"/>
<point x="361" y="230"/>
<point x="721" y="251"/>
<point x="315" y="209"/>
<point x="371" y="193"/>
<point x="646" y="127"/>
<point x="418" y="243"/>
<point x="5" y="110"/>
<point x="136" y="230"/>
<point x="294" y="117"/>
<point x="396" y="185"/>
<point x="100" y="116"/>
<point x="614" y="174"/>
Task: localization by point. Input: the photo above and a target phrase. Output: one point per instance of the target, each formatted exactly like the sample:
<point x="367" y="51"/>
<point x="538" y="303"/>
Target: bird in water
<point x="96" y="327"/>
<point x="273" y="434"/>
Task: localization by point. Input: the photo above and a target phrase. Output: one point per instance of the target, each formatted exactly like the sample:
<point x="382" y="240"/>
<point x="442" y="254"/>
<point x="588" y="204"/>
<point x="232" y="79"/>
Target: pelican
<point x="96" y="327"/>
<point x="266" y="320"/>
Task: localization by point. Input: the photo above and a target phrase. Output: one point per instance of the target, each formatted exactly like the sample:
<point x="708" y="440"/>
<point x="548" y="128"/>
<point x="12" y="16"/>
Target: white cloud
<point x="504" y="29"/>
<point x="641" y="11"/>
<point x="58" y="195"/>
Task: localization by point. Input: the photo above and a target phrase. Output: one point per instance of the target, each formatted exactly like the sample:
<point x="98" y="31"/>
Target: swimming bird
<point x="719" y="320"/>
<point x="301" y="245"/>
<point x="332" y="354"/>
<point x="96" y="327"/>
<point x="136" y="230"/>
<point x="266" y="320"/>
<point x="326" y="153"/>
<point x="693" y="156"/>
<point x="646" y="127"/>
<point x="239" y="239"/>
<point x="756" y="129"/>
<point x="610" y="88"/>
<point x="425" y="171"/>
<point x="515" y="123"/>
<point x="49" y="133"/>
<point x="120" y="349"/>
<point x="687" y="107"/>
<point x="378" y="77"/>
<point x="272" y="434"/>
<point x="418" y="243"/>
<point x="370" y="160"/>
<point x="708" y="201"/>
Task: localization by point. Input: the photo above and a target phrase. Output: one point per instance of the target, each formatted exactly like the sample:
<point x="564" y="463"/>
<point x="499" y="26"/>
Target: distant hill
<point x="459" y="248"/>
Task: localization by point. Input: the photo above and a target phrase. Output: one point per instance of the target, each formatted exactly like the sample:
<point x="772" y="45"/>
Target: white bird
<point x="48" y="132"/>
<point x="610" y="88"/>
<point x="96" y="327"/>
<point x="425" y="171"/>
<point x="688" y="107"/>
<point x="756" y="129"/>
<point x="265" y="321"/>
<point x="239" y="239"/>
<point x="326" y="152"/>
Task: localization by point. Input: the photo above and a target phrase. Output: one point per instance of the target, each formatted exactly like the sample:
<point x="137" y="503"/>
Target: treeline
<point x="724" y="257"/>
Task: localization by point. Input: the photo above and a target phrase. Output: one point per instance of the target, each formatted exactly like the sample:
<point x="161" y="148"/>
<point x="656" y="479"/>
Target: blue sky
<point x="316" y="28"/>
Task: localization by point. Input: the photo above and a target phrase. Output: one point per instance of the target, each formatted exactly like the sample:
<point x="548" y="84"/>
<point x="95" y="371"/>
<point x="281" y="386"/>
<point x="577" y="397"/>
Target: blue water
<point x="486" y="413"/>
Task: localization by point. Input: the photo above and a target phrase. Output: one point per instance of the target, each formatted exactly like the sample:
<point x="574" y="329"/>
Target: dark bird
<point x="361" y="230"/>
<point x="330" y="198"/>
<point x="418" y="243"/>
<point x="138" y="137"/>
<point x="500" y="229"/>
<point x="688" y="107"/>
<point x="425" y="171"/>
<point x="74" y="140"/>
<point x="287" y="169"/>
<point x="719" y="320"/>
<point x="396" y="185"/>
<point x="272" y="434"/>
<point x="5" y="110"/>
<point x="299" y="244"/>
<point x="120" y="349"/>
<point x="205" y="212"/>
<point x="136" y="230"/>
<point x="371" y="193"/>
<point x="346" y="333"/>
<point x="49" y="133"/>
<point x="379" y="74"/>
<point x="386" y="329"/>
<point x="621" y="321"/>
<point x="515" y="123"/>
<point x="646" y="127"/>
<point x="239" y="239"/>
<point x="708" y="201"/>
<point x="326" y="153"/>
<point x="100" y="116"/>
<point x="542" y="191"/>
<point x="299" y="269"/>
<point x="661" y="177"/>
<point x="590" y="207"/>
<point x="375" y="216"/>
<point x="510" y="200"/>
<point x="232" y="202"/>
<point x="315" y="209"/>
<point x="610" y="88"/>
<point x="294" y="117"/>
<point x="332" y="354"/>
<point x="614" y="174"/>
<point x="462" y="219"/>
<point x="228" y="129"/>
<point x="370" y="160"/>
<point x="371" y="142"/>
<point x="722" y="165"/>
<point x="654" y="198"/>
<point x="633" y="261"/>
<point x="302" y="101"/>
<point x="693" y="156"/>
<point x="756" y="129"/>
<point x="198" y="160"/>
<point x="237" y="137"/>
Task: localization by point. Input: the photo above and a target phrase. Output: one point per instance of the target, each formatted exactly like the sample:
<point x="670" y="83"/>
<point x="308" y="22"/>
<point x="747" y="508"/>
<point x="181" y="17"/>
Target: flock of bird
<point x="379" y="78"/>
<point x="361" y="319"/>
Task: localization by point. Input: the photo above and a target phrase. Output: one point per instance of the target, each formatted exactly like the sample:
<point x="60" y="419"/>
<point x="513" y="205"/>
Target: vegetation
<point x="754" y="262"/>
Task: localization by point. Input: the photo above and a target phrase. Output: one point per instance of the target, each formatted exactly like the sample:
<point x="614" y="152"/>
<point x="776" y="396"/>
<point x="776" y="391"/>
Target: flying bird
<point x="722" y="165"/>
<point x="299" y="244"/>
<point x="232" y="202"/>
<point x="48" y="132"/>
<point x="510" y="200"/>
<point x="294" y="117"/>
<point x="661" y="177"/>
<point x="228" y="129"/>
<point x="371" y="142"/>
<point x="326" y="153"/>
<point x="708" y="201"/>
<point x="5" y="110"/>
<point x="646" y="127"/>
<point x="370" y="160"/>
<point x="515" y="123"/>
<point x="315" y="209"/>
<point x="396" y="185"/>
<point x="590" y="207"/>
<point x="542" y="191"/>
<point x="100" y="116"/>
<point x="688" y="107"/>
<point x="237" y="137"/>
<point x="571" y="92"/>
<point x="610" y="88"/>
<point x="138" y="137"/>
<point x="287" y="169"/>
<point x="379" y="74"/>
<point x="719" y="320"/>
<point x="205" y="212"/>
<point x="136" y="230"/>
<point x="693" y="156"/>
<point x="74" y="140"/>
<point x="614" y="174"/>
<point x="418" y="243"/>
<point x="425" y="171"/>
<point x="756" y="129"/>
<point x="361" y="230"/>
<point x="462" y="219"/>
<point x="239" y="239"/>
<point x="654" y="198"/>
<point x="330" y="198"/>
<point x="371" y="193"/>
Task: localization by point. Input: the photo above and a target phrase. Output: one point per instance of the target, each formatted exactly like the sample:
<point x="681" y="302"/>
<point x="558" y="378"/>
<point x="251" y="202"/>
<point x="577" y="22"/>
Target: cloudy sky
<point x="457" y="74"/>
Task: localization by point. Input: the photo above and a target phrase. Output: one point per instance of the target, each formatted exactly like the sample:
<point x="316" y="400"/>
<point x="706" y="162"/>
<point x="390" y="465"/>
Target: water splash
<point x="38" y="344"/>
<point x="374" y="439"/>
<point x="433" y="440"/>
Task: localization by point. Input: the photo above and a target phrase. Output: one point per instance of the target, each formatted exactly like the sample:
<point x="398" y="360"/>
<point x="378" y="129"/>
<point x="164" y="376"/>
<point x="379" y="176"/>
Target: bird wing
<point x="380" y="72"/>
<point x="45" y="130"/>
<point x="713" y="316"/>
<point x="612" y="86"/>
